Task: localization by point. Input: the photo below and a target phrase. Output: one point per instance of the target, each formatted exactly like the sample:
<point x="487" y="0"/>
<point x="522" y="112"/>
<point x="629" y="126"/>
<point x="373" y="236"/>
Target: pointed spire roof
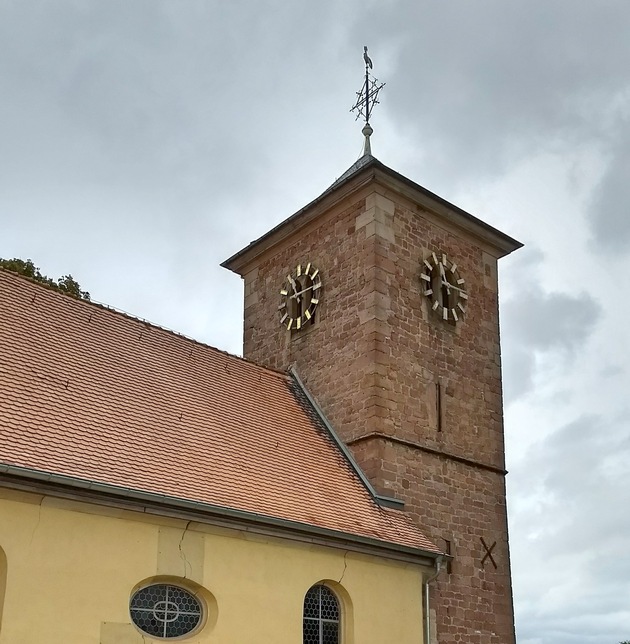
<point x="358" y="165"/>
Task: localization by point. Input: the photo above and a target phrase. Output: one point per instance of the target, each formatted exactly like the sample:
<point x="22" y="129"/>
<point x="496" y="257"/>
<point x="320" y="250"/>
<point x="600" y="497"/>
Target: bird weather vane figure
<point x="367" y="98"/>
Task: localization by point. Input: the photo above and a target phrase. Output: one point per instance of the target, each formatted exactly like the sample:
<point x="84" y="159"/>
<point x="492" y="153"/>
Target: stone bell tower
<point x="400" y="348"/>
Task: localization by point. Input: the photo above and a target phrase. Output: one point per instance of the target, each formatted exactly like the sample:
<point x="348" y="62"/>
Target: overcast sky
<point x="143" y="142"/>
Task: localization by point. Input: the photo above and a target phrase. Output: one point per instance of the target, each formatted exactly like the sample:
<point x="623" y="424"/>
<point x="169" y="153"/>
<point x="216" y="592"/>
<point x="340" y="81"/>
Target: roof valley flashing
<point x="384" y="501"/>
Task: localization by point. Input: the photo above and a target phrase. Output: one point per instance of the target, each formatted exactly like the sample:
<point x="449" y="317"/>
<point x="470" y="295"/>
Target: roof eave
<point x="16" y="477"/>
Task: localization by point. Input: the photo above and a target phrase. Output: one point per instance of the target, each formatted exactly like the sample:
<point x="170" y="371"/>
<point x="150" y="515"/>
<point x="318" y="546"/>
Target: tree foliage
<point x="65" y="284"/>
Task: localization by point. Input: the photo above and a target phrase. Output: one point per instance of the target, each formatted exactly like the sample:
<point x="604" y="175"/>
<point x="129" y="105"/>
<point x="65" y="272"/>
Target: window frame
<point x="319" y="620"/>
<point x="202" y="610"/>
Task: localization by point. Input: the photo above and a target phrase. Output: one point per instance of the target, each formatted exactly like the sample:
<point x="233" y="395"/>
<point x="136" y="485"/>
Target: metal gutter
<point x="385" y="501"/>
<point x="16" y="477"/>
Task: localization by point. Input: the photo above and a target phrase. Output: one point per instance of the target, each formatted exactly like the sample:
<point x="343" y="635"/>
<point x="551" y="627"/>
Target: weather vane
<point x="367" y="98"/>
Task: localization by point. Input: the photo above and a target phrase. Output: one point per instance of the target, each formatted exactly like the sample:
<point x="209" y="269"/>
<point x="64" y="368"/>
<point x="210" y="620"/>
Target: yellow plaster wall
<point x="71" y="568"/>
<point x="3" y="582"/>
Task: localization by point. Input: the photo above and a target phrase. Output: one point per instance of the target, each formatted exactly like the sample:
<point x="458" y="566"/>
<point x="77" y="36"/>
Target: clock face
<point x="443" y="286"/>
<point x="300" y="295"/>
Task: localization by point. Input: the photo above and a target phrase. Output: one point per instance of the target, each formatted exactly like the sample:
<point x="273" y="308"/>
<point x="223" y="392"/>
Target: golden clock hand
<point x="292" y="282"/>
<point x="302" y="291"/>
<point x="455" y="288"/>
<point x="443" y="280"/>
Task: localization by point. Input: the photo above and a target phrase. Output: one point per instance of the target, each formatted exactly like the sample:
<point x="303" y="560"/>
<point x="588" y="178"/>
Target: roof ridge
<point x="133" y="318"/>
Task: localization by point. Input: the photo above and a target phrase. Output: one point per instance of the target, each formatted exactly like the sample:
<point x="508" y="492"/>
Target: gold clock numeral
<point x="298" y="294"/>
<point x="443" y="286"/>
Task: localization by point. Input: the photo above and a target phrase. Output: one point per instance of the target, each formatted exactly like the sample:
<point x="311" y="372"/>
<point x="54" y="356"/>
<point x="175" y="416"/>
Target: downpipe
<point x="427" y="614"/>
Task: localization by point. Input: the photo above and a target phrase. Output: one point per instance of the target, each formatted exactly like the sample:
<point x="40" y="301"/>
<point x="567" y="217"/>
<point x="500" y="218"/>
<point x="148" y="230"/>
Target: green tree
<point x="65" y="284"/>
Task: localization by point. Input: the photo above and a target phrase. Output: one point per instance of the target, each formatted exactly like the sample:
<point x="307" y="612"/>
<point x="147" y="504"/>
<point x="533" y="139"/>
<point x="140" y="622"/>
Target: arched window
<point x="321" y="616"/>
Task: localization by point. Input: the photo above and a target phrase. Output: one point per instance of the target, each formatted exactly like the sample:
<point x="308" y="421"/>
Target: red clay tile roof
<point x="90" y="393"/>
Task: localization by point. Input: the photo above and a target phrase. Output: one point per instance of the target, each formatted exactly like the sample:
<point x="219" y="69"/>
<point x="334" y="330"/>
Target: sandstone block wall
<point x="417" y="399"/>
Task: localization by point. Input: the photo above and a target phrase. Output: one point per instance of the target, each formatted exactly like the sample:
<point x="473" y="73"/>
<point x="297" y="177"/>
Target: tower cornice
<point x="368" y="170"/>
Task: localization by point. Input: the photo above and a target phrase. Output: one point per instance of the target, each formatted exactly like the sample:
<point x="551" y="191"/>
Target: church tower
<point x="384" y="299"/>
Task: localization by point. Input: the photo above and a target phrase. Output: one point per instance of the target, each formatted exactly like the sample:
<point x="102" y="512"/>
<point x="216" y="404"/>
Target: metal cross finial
<point x="367" y="98"/>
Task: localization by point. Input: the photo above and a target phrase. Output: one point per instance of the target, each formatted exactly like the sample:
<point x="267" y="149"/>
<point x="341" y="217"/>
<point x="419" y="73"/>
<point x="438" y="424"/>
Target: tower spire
<point x="367" y="98"/>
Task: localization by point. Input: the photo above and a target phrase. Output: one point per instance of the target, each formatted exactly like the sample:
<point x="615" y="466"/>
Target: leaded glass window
<point x="321" y="616"/>
<point x="166" y="611"/>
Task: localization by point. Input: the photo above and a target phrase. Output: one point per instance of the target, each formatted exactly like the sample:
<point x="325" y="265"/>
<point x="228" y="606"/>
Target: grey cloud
<point x="534" y="323"/>
<point x="582" y="463"/>
<point x="154" y="96"/>
<point x="574" y="532"/>
<point x="544" y="321"/>
<point x="145" y="130"/>
<point x="610" y="203"/>
<point x="481" y="84"/>
<point x="568" y="628"/>
<point x="518" y="372"/>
